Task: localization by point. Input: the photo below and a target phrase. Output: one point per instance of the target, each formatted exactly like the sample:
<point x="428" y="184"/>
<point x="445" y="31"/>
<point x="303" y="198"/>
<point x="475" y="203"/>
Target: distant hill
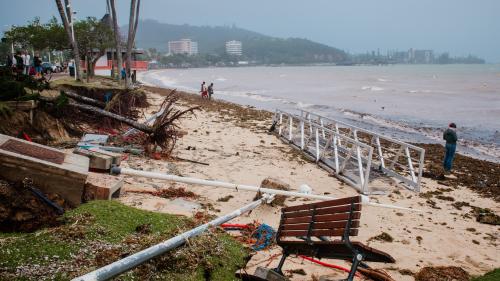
<point x="256" y="46"/>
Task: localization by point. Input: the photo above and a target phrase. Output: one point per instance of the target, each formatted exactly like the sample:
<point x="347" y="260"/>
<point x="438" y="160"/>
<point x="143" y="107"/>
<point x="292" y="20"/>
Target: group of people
<point x="21" y="63"/>
<point x="207" y="92"/>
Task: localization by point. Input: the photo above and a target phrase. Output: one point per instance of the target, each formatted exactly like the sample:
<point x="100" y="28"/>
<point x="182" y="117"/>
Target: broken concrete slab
<point x="98" y="161"/>
<point x="51" y="170"/>
<point x="102" y="187"/>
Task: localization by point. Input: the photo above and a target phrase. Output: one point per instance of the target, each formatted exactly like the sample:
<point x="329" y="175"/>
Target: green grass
<point x="119" y="221"/>
<point x="490" y="276"/>
<point x="114" y="224"/>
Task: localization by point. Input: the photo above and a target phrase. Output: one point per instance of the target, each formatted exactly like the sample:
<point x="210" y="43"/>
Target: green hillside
<point x="262" y="48"/>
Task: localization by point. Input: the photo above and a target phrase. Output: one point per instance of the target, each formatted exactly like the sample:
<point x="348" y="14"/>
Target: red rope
<point x="328" y="265"/>
<point x="232" y="225"/>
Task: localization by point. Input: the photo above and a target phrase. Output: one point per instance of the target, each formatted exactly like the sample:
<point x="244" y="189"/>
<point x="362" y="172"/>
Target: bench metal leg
<point x="355" y="262"/>
<point x="280" y="265"/>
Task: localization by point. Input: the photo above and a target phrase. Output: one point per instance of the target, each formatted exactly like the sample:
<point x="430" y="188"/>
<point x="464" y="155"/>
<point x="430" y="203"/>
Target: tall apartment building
<point x="183" y="46"/>
<point x="234" y="48"/>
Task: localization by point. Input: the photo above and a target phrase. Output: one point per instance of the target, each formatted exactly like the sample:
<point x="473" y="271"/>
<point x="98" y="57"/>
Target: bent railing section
<point x="395" y="158"/>
<point x="348" y="158"/>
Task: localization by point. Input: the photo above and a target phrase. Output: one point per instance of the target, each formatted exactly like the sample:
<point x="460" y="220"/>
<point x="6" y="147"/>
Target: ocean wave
<point x="383" y="80"/>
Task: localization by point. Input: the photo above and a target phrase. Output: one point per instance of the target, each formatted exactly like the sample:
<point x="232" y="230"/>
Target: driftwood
<point x="191" y="161"/>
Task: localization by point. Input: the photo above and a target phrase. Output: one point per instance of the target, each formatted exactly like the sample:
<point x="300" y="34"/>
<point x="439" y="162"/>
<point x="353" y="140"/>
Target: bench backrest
<point x="326" y="218"/>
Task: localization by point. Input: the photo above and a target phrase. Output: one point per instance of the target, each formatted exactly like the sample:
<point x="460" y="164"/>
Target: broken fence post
<point x="120" y="266"/>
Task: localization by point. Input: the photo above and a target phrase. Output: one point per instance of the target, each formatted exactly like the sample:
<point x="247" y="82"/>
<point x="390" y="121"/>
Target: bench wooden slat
<point x="323" y="211"/>
<point x="331" y="232"/>
<point x="320" y="225"/>
<point x="323" y="218"/>
<point x="336" y="202"/>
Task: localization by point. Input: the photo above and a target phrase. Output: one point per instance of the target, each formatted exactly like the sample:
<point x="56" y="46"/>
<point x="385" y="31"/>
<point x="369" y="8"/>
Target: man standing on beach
<point x="203" y="90"/>
<point x="210" y="91"/>
<point x="450" y="135"/>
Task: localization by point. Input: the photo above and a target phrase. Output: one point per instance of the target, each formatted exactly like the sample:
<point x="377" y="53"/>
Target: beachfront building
<point x="234" y="48"/>
<point x="104" y="64"/>
<point x="183" y="46"/>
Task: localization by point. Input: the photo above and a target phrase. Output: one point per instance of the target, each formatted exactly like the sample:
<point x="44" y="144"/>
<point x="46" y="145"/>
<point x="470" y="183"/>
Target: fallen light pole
<point x="118" y="267"/>
<point x="237" y="187"/>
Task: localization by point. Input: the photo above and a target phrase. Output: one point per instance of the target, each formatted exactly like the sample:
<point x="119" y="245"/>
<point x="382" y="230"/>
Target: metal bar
<point x="301" y="134"/>
<point x="379" y="149"/>
<point x="410" y="164"/>
<point x="317" y="144"/>
<point x="336" y="154"/>
<point x="290" y="118"/>
<point x="420" y="170"/>
<point x="280" y="123"/>
<point x="323" y="127"/>
<point x="125" y="264"/>
<point x="367" y="171"/>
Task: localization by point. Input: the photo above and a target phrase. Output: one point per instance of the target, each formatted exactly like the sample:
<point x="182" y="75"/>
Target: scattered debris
<point x="225" y="198"/>
<point x="384" y="236"/>
<point x="442" y="273"/>
<point x="273" y="183"/>
<point x="486" y="216"/>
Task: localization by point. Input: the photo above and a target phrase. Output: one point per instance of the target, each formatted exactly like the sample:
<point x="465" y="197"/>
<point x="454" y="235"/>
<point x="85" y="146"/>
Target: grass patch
<point x="490" y="276"/>
<point x="101" y="232"/>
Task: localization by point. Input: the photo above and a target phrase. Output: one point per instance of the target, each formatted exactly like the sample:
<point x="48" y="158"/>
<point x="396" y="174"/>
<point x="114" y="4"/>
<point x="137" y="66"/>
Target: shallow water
<point x="411" y="102"/>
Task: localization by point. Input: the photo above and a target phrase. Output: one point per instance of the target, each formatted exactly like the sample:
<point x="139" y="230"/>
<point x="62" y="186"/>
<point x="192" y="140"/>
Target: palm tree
<point x="132" y="28"/>
<point x="65" y="13"/>
<point x="118" y="40"/>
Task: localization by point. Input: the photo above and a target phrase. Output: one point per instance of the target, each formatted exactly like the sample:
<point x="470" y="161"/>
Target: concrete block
<point x="51" y="170"/>
<point x="102" y="187"/>
<point x="116" y="157"/>
<point x="98" y="161"/>
<point x="269" y="274"/>
<point x="94" y="139"/>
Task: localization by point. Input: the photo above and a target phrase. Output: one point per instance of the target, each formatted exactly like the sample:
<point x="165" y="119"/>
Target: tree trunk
<point x="87" y="67"/>
<point x="67" y="28"/>
<point x="118" y="41"/>
<point x="102" y="112"/>
<point x="132" y="26"/>
<point x="85" y="99"/>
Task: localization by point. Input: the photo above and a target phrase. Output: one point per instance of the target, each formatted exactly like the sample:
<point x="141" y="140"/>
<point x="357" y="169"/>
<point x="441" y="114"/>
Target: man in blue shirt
<point x="450" y="135"/>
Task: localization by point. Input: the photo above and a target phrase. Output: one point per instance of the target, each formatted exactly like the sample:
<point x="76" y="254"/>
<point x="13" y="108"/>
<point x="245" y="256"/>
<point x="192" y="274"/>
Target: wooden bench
<point x="308" y="230"/>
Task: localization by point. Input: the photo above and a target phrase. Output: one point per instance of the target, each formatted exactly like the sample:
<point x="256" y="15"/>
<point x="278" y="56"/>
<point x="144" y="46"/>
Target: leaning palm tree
<point x="118" y="40"/>
<point x="65" y="14"/>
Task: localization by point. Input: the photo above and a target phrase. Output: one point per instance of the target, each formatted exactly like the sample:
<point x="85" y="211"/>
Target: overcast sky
<point x="458" y="26"/>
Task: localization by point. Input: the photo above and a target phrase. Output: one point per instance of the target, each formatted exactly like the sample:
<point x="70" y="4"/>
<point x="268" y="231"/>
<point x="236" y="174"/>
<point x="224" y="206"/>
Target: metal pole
<point x="237" y="187"/>
<point x="120" y="266"/>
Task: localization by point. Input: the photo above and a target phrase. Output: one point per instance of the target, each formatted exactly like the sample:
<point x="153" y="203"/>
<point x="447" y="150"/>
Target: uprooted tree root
<point x="165" y="130"/>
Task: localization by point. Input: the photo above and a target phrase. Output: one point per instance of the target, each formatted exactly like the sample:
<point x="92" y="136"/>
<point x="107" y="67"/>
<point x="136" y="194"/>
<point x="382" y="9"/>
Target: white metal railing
<point x="347" y="157"/>
<point x="395" y="158"/>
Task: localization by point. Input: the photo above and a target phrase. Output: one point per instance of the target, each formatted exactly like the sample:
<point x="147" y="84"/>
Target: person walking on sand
<point x="210" y="91"/>
<point x="450" y="135"/>
<point x="203" y="90"/>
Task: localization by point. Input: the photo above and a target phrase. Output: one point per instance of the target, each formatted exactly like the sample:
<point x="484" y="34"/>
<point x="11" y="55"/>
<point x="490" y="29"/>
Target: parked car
<point x="48" y="67"/>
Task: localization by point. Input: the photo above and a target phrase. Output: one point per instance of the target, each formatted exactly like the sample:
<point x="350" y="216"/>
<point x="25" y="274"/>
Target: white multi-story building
<point x="183" y="46"/>
<point x="234" y="48"/>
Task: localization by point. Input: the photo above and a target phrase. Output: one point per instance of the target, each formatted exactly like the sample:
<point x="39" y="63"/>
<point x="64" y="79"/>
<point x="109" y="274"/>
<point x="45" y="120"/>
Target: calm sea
<point x="410" y="102"/>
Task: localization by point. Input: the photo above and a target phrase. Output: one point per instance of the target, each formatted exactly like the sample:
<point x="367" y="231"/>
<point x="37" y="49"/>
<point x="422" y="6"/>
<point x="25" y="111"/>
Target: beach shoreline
<point x="235" y="143"/>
